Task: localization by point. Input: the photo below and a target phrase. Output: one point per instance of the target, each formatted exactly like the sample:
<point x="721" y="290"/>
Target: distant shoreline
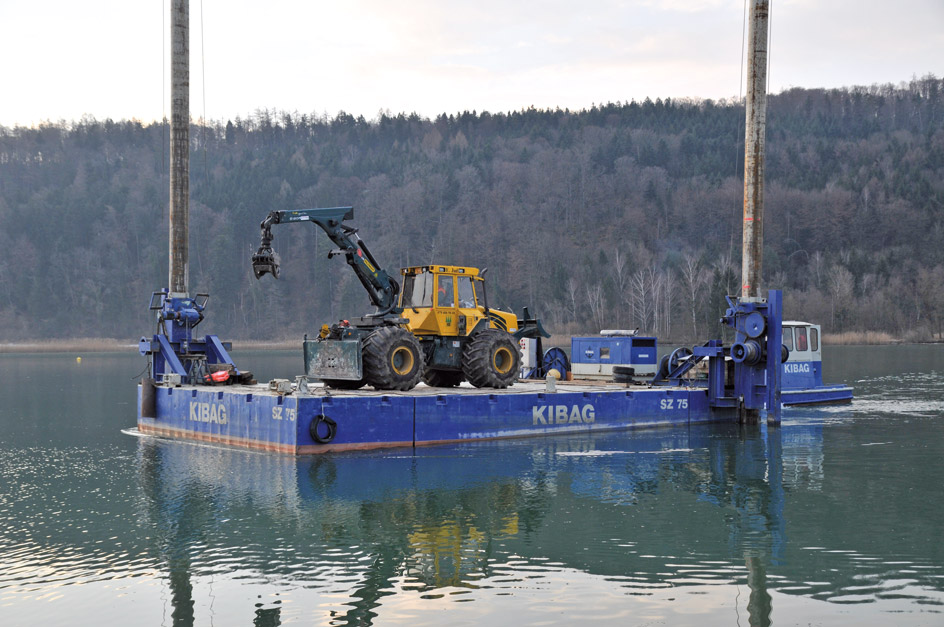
<point x="105" y="345"/>
<point x="110" y="345"/>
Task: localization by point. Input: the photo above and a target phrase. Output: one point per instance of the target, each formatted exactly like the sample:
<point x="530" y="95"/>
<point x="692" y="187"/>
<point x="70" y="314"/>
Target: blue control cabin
<point x="594" y="357"/>
<point x="803" y="371"/>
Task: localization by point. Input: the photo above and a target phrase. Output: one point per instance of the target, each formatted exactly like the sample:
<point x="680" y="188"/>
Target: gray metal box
<point x="333" y="359"/>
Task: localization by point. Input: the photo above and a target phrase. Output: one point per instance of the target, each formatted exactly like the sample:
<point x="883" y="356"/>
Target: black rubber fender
<point x="316" y="422"/>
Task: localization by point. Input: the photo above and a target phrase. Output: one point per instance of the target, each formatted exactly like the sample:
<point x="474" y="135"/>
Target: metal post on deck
<point x="176" y="355"/>
<point x="752" y="257"/>
<point x="180" y="150"/>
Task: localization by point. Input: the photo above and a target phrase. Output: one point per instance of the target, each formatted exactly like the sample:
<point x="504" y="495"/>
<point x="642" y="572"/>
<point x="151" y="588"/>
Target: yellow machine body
<point x="449" y="301"/>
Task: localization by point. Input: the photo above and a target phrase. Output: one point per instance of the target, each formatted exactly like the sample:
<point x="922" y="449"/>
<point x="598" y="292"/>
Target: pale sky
<point x="61" y="59"/>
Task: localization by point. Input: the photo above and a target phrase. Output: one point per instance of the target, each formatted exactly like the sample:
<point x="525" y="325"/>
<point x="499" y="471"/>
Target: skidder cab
<point x="447" y="309"/>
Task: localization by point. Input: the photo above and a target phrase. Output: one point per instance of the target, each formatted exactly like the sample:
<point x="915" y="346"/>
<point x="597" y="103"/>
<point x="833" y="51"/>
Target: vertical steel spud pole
<point x="752" y="252"/>
<point x="180" y="150"/>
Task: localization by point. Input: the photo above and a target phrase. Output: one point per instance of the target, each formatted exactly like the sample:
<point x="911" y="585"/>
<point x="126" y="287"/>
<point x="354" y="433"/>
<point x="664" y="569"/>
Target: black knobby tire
<point x="624" y="374"/>
<point x="442" y="378"/>
<point x="393" y="359"/>
<point x="344" y="384"/>
<point x="491" y="359"/>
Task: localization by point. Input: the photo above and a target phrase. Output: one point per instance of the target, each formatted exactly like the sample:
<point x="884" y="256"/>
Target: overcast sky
<point x="60" y="59"/>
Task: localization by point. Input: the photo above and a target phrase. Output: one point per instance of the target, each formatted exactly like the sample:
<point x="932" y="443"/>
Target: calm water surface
<point x="833" y="519"/>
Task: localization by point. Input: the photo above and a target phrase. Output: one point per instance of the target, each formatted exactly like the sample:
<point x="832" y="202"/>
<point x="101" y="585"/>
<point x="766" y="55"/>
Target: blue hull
<point x="822" y="395"/>
<point x="802" y="384"/>
<point x="254" y="417"/>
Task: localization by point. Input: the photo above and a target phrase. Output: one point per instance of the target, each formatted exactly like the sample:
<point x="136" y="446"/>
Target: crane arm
<point x="380" y="286"/>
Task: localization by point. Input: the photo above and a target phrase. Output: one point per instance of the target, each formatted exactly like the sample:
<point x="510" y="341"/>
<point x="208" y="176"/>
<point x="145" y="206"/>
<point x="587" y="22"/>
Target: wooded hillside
<point x="624" y="215"/>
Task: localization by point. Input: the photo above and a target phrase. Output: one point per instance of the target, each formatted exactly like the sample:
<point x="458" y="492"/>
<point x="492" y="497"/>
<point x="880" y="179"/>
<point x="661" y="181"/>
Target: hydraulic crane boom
<point x="380" y="286"/>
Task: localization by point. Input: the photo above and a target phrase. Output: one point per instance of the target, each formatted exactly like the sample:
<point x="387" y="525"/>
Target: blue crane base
<point x="175" y="355"/>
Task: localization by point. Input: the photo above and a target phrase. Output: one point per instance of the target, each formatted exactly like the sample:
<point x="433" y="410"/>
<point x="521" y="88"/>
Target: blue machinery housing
<point x="319" y="420"/>
<point x="598" y="357"/>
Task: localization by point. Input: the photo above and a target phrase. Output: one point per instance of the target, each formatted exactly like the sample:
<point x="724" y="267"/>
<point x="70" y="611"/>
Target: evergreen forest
<point x="622" y="215"/>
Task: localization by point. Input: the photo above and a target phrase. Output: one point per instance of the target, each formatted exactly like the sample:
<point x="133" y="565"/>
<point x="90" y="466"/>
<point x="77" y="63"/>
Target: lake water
<point x="835" y="518"/>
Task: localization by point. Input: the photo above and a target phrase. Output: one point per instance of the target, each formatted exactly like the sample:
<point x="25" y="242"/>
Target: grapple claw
<point x="265" y="261"/>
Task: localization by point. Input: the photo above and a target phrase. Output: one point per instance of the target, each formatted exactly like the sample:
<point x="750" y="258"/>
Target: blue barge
<point x="743" y="383"/>
<point x="321" y="420"/>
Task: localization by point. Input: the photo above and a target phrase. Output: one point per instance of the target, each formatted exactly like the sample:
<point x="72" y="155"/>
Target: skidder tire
<point x="442" y="378"/>
<point x="491" y="359"/>
<point x="393" y="359"/>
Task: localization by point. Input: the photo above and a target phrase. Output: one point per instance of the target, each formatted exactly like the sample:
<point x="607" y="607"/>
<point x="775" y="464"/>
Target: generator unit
<point x="594" y="357"/>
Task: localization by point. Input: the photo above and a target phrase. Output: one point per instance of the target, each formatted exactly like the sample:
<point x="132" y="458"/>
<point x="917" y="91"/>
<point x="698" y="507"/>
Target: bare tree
<point x="726" y="268"/>
<point x="558" y="313"/>
<point x="841" y="283"/>
<point x="694" y="280"/>
<point x="665" y="288"/>
<point x="595" y="301"/>
<point x="620" y="278"/>
<point x="573" y="288"/>
<point x="817" y="268"/>
<point x="641" y="288"/>
<point x="930" y="294"/>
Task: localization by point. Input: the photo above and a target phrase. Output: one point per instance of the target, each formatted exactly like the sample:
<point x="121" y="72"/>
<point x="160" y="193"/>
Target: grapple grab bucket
<point x="265" y="260"/>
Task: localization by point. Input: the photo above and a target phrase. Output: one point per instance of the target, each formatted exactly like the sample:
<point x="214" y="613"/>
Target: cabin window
<point x="604" y="352"/>
<point x="479" y="287"/>
<point x="802" y="344"/>
<point x="814" y="339"/>
<point x="788" y="338"/>
<point x="418" y="290"/>
<point x="447" y="297"/>
<point x="466" y="293"/>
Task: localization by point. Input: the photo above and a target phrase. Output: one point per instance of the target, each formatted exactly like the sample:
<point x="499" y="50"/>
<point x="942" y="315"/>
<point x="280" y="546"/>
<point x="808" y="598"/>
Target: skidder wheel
<point x="442" y="378"/>
<point x="393" y="359"/>
<point x="491" y="359"/>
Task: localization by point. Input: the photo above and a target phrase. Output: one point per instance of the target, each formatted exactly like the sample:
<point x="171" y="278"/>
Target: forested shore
<point x="623" y="215"/>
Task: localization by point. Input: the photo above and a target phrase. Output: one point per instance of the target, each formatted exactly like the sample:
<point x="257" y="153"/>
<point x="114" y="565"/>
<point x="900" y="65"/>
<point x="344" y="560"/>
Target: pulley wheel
<point x="556" y="359"/>
<point x="754" y="325"/>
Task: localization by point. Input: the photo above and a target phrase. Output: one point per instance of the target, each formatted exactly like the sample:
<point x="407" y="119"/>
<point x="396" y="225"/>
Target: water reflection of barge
<point x="693" y="510"/>
<point x="448" y="518"/>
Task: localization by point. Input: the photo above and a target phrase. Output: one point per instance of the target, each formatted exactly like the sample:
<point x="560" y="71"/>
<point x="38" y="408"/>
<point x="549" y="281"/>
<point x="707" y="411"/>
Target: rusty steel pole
<point x="180" y="149"/>
<point x="752" y="251"/>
